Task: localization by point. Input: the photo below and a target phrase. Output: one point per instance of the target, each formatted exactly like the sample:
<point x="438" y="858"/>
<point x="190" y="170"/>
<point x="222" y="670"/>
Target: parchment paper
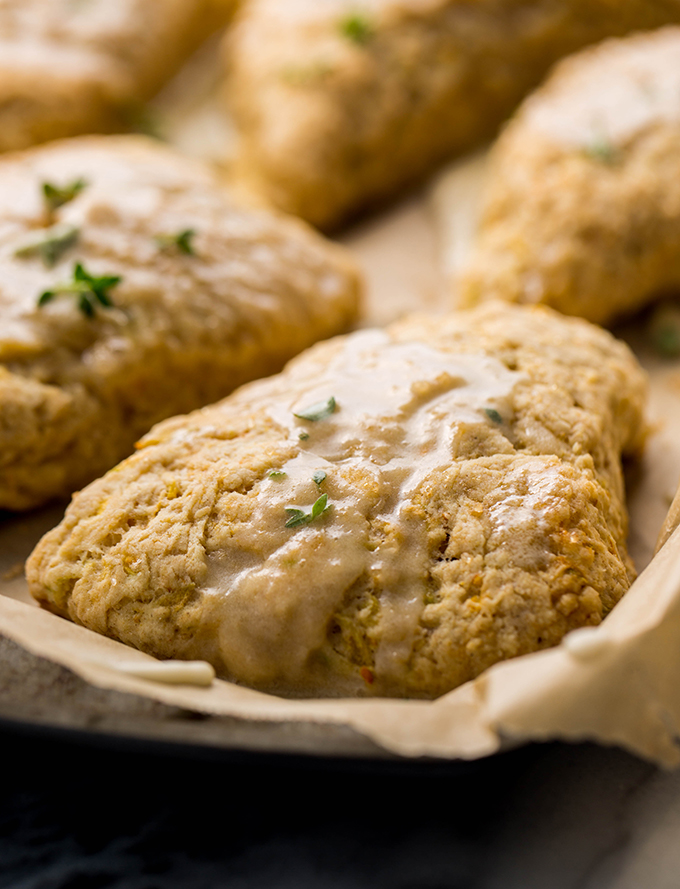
<point x="616" y="684"/>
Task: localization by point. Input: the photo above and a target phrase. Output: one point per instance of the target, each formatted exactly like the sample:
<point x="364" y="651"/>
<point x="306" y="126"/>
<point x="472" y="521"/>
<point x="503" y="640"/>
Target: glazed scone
<point x="132" y="288"/>
<point x="340" y="103"/>
<point x="582" y="208"/>
<point x="77" y="66"/>
<point x="394" y="513"/>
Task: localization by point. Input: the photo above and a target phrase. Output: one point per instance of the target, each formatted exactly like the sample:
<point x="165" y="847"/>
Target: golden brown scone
<point x="583" y="201"/>
<point x="458" y="503"/>
<point x="78" y="66"/>
<point x="341" y="103"/>
<point x="210" y="295"/>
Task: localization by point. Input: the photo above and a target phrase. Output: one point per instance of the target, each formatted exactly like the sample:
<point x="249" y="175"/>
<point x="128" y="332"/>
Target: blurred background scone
<point x="341" y="104"/>
<point x="393" y="514"/>
<point x="582" y="207"/>
<point x="79" y="66"/>
<point x="132" y="287"/>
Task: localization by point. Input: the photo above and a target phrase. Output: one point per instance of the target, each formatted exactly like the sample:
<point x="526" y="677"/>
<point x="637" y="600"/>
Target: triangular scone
<point x="582" y="208"/>
<point x="81" y="66"/>
<point x="394" y="513"/>
<point x="341" y="104"/>
<point x="132" y="288"/>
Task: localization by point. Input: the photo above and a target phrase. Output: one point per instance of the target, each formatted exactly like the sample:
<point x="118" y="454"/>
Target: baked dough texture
<point x="459" y="502"/>
<point x="341" y="104"/>
<point x="76" y="66"/>
<point x="78" y="388"/>
<point x="582" y="209"/>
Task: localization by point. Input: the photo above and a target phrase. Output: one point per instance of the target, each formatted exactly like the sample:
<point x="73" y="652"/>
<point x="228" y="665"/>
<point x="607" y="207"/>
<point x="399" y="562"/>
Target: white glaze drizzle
<point x="402" y="408"/>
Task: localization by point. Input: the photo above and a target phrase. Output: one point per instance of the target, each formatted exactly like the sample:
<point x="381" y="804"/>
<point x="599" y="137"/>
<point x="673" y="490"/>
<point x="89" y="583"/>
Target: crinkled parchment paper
<point x="617" y="684"/>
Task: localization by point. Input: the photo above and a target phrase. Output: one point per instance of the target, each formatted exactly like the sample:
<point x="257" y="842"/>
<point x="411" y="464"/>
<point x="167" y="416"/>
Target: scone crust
<point x="185" y="328"/>
<point x="474" y="511"/>
<point x="582" y="209"/>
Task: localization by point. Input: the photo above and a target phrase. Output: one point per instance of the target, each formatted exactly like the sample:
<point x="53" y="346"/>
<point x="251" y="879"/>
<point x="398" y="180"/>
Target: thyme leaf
<point x="357" y="28"/>
<point x="303" y="517"/>
<point x="89" y="290"/>
<point x="663" y="330"/>
<point x="276" y="474"/>
<point x="319" y="477"/>
<point x="493" y="415"/>
<point x="50" y="244"/>
<point x="603" y="150"/>
<point x="56" y="196"/>
<point x="297" y="517"/>
<point x="141" y="118"/>
<point x="318" y="411"/>
<point x="666" y="342"/>
<point x="178" y="243"/>
<point x="320" y="506"/>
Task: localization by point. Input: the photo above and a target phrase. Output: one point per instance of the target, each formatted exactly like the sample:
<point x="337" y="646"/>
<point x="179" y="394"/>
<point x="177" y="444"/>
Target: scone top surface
<point x="391" y="515"/>
<point x="341" y="104"/>
<point x="210" y="295"/>
<point x="126" y="197"/>
<point x="77" y="66"/>
<point x="582" y="207"/>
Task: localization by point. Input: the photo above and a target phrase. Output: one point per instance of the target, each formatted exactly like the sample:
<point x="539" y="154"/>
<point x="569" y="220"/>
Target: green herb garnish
<point x="180" y="243"/>
<point x="318" y="411"/>
<point x="601" y="149"/>
<point x="303" y="436"/>
<point x="664" y="330"/>
<point x="50" y="244"/>
<point x="666" y="341"/>
<point x="302" y="517"/>
<point x="56" y="197"/>
<point x="88" y="290"/>
<point x="493" y="415"/>
<point x="141" y="118"/>
<point x="357" y="28"/>
<point x="319" y="476"/>
<point x="276" y="473"/>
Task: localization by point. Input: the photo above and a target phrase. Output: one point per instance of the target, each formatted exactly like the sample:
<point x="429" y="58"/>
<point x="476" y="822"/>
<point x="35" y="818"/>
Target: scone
<point x="78" y="66"/>
<point x="391" y="515"/>
<point x="132" y="287"/>
<point x="582" y="208"/>
<point x="341" y="103"/>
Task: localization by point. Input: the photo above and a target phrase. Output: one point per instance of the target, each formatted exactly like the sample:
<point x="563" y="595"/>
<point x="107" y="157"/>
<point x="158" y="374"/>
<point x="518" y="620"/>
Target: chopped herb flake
<point x="303" y="517"/>
<point x="50" y="245"/>
<point x="179" y="243"/>
<point x="357" y="28"/>
<point x="666" y="341"/>
<point x="602" y="150"/>
<point x="664" y="330"/>
<point x="276" y="473"/>
<point x="303" y="436"/>
<point x="493" y="415"/>
<point x="141" y="118"/>
<point x="319" y="477"/>
<point x="318" y="411"/>
<point x="88" y="290"/>
<point x="56" y="197"/>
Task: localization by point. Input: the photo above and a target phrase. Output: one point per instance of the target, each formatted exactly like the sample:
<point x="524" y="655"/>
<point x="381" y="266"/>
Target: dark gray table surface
<point x="85" y="815"/>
